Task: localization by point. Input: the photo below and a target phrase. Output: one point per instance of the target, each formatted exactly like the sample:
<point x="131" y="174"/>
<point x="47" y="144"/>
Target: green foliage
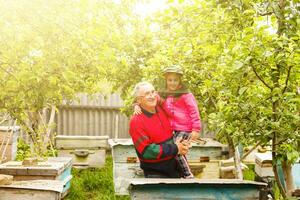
<point x="276" y="192"/>
<point x="94" y="184"/>
<point x="51" y="50"/>
<point x="240" y="58"/>
<point x="23" y="150"/>
<point x="235" y="63"/>
<point x="249" y="174"/>
<point x="241" y="61"/>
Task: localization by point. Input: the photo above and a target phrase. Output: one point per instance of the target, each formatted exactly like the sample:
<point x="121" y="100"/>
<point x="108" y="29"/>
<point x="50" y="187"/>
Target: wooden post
<point x="252" y="149"/>
<point x="49" y="125"/>
<point x="117" y="126"/>
<point x="8" y="140"/>
<point x="239" y="173"/>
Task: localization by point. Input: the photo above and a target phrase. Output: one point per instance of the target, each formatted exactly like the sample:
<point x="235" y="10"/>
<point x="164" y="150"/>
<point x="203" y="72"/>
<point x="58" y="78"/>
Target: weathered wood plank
<point x="32" y="190"/>
<point x="84" y="142"/>
<point x="94" y="157"/>
<point x="25" y="194"/>
<point x="53" y="169"/>
<point x="231" y="189"/>
<point x="5" y="179"/>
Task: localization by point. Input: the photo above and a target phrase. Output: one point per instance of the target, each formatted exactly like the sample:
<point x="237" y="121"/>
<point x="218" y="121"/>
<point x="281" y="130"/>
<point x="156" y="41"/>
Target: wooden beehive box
<point x="56" y="168"/>
<point x="296" y="175"/>
<point x="263" y="164"/>
<point x="224" y="189"/>
<point x="9" y="140"/>
<point x="205" y="170"/>
<point x="212" y="150"/>
<point x="32" y="190"/>
<point x="126" y="165"/>
<point x="86" y="151"/>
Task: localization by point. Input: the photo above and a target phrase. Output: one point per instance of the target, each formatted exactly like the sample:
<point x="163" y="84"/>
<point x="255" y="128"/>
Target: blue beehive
<point x="65" y="176"/>
<point x="223" y="189"/>
<point x="55" y="168"/>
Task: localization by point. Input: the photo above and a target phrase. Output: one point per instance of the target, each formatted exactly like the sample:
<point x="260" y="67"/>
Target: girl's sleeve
<point x="160" y="100"/>
<point x="193" y="111"/>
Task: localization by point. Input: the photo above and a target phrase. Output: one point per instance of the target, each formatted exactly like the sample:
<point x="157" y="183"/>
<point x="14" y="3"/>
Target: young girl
<point x="182" y="109"/>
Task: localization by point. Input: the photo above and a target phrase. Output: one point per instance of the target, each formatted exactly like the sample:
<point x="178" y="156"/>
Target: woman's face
<point x="173" y="81"/>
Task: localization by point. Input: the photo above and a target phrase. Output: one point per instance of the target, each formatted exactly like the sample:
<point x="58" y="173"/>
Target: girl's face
<point x="173" y="81"/>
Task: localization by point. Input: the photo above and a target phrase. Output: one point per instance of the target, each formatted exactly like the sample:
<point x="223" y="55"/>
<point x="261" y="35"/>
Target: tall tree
<point x="49" y="51"/>
<point x="241" y="60"/>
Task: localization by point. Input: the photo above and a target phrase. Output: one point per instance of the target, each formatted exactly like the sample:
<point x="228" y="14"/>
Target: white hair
<point x="138" y="87"/>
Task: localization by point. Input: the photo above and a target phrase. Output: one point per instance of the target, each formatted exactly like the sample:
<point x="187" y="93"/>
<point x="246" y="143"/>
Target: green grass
<point x="97" y="184"/>
<point x="249" y="174"/>
<point x="94" y="184"/>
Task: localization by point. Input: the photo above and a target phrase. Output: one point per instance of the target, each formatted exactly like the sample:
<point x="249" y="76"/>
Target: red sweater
<point x="152" y="136"/>
<point x="153" y="140"/>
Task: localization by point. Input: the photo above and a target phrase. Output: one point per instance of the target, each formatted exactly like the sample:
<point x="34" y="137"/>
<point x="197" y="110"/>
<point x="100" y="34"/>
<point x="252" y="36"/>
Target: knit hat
<point x="173" y="69"/>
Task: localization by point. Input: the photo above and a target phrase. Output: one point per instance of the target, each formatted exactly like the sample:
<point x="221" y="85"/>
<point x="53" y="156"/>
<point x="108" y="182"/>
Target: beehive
<point x="126" y="166"/>
<point x="56" y="168"/>
<point x="8" y="142"/>
<point x="86" y="151"/>
<point x="263" y="164"/>
<point x="32" y="190"/>
<point x="211" y="149"/>
<point x="226" y="189"/>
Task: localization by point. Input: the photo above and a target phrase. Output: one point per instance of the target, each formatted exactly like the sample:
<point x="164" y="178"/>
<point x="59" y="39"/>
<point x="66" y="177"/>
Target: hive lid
<point x="42" y="168"/>
<point x="114" y="142"/>
<point x="263" y="157"/>
<point x="79" y="142"/>
<point x="67" y="161"/>
<point x="148" y="181"/>
<point x="209" y="142"/>
<point x="81" y="137"/>
<point x="49" y="185"/>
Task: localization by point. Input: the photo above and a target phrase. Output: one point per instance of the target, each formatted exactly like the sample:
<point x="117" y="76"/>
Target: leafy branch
<point x="258" y="76"/>
<point x="287" y="79"/>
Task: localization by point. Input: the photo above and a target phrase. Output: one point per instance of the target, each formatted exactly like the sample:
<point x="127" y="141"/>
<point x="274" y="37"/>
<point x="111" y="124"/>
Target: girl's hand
<point x="182" y="145"/>
<point x="137" y="110"/>
<point x="195" y="138"/>
<point x="194" y="135"/>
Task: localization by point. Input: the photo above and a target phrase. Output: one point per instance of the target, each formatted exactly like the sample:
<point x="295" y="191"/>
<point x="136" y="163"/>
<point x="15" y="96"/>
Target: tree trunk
<point x="281" y="22"/>
<point x="288" y="177"/>
<point x="275" y="170"/>
<point x="230" y="145"/>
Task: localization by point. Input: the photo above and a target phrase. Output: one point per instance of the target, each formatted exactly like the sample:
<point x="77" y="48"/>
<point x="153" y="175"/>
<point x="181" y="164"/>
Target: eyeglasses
<point x="149" y="94"/>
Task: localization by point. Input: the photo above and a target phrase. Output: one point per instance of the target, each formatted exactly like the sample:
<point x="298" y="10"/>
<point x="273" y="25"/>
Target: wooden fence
<point x="93" y="116"/>
<point x="97" y="115"/>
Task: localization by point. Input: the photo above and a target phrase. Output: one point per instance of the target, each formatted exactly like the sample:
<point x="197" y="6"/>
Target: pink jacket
<point x="183" y="112"/>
